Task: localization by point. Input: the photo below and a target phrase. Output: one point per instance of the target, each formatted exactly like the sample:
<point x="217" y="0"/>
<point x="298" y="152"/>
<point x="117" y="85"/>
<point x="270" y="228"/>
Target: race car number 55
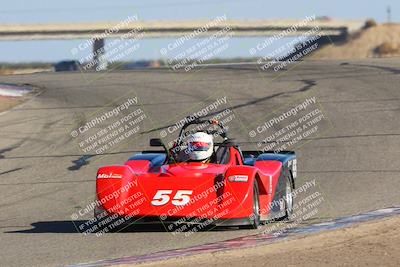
<point x="162" y="197"/>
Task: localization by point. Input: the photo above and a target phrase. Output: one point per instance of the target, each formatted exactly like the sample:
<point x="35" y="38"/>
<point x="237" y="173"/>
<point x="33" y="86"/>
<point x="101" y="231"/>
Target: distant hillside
<point x="378" y="41"/>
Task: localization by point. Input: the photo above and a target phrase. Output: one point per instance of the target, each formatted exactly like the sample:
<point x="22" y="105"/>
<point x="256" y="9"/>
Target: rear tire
<point x="288" y="198"/>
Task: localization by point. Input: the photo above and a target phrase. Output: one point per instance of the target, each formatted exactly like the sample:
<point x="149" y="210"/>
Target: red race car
<point x="230" y="188"/>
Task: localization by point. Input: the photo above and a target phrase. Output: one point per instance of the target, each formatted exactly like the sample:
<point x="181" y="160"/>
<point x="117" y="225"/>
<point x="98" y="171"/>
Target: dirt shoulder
<point x="12" y="95"/>
<point x="369" y="244"/>
<point x="9" y="102"/>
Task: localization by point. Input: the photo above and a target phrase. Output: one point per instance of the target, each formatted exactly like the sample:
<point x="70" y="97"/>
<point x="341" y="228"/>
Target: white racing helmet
<point x="200" y="146"/>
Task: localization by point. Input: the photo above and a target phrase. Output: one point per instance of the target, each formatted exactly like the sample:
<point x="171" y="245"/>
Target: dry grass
<point x="378" y="41"/>
<point x="388" y="49"/>
<point x="5" y="71"/>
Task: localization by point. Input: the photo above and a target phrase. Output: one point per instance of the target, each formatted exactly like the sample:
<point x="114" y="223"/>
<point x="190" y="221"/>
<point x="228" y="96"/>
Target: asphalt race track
<point x="45" y="177"/>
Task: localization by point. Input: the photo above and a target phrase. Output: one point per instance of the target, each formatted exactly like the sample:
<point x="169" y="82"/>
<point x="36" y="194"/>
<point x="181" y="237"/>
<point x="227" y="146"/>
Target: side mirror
<point x="156" y="142"/>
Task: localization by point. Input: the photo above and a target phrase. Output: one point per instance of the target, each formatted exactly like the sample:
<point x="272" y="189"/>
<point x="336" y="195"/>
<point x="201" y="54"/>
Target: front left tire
<point x="255" y="218"/>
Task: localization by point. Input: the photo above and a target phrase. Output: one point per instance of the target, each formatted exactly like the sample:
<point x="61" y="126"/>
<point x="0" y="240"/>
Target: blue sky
<point x="48" y="11"/>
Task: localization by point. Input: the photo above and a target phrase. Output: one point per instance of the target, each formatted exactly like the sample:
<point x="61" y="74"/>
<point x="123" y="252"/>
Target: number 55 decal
<point x="181" y="198"/>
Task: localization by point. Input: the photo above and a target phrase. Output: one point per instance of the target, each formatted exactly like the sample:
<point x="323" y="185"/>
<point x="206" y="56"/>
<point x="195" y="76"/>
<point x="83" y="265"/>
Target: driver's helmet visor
<point x="199" y="146"/>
